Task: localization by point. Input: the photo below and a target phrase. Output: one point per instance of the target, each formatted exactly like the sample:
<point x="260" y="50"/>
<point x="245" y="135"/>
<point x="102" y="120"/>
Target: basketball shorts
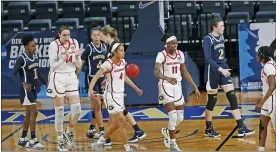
<point x="213" y="78"/>
<point x="170" y="93"/>
<point x="114" y="102"/>
<point x="63" y="84"/>
<point x="269" y="110"/>
<point x="98" y="88"/>
<point x="27" y="98"/>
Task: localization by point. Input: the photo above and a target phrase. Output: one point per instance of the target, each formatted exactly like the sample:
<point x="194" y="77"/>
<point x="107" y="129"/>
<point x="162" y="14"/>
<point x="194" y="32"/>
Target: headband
<point x="170" y="39"/>
<point x="95" y="28"/>
<point x="114" y="47"/>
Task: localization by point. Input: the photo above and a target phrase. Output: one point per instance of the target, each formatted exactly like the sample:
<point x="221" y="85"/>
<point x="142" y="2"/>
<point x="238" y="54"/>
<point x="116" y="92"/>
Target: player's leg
<point x="23" y="140"/>
<point x="115" y="106"/>
<point x="263" y="130"/>
<point x="138" y="133"/>
<point x="228" y="88"/>
<point x="211" y="79"/>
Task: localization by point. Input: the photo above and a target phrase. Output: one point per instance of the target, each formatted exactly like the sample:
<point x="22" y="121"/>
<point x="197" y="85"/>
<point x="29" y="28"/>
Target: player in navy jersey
<point x="94" y="55"/>
<point x="217" y="73"/>
<point x="26" y="73"/>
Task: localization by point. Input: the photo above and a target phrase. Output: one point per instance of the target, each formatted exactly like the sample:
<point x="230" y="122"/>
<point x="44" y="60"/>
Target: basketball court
<point x="151" y="119"/>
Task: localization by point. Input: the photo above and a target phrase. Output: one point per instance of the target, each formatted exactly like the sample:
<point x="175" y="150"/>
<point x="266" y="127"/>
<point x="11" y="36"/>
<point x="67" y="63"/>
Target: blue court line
<point x="11" y="134"/>
<point x="44" y="138"/>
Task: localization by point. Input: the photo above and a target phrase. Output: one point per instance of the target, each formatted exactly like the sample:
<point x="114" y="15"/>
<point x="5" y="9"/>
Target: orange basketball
<point x="132" y="70"/>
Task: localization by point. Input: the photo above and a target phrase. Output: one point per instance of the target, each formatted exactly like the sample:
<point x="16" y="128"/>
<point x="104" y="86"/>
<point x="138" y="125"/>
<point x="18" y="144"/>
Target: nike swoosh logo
<point x="142" y="6"/>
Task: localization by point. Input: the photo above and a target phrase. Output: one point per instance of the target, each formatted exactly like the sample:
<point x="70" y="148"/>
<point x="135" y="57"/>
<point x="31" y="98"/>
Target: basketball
<point x="132" y="70"/>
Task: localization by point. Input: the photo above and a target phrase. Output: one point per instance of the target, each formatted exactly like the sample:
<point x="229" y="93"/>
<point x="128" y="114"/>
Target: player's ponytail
<point x="111" y="31"/>
<point x="62" y="27"/>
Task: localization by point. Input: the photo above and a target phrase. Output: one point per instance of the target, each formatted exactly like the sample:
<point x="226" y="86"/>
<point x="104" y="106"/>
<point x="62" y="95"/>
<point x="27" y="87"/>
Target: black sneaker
<point x="137" y="136"/>
<point x="211" y="133"/>
<point x="244" y="131"/>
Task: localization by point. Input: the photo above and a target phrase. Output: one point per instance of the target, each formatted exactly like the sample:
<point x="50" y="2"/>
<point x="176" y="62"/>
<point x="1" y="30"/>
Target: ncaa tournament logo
<point x="3" y="52"/>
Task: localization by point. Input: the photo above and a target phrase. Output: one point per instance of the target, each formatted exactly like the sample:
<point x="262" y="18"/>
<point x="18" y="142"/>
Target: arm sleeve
<point x="207" y="52"/>
<point x="160" y="58"/>
<point x="269" y="69"/>
<point x="86" y="53"/>
<point x="53" y="56"/>
<point x="106" y="66"/>
<point x="18" y="64"/>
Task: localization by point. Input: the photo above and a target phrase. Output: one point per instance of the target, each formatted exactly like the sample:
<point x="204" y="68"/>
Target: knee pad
<point x="125" y="112"/>
<point x="180" y="116"/>
<point x="172" y="119"/>
<point x="75" y="112"/>
<point x="231" y="96"/>
<point x="93" y="115"/>
<point x="212" y="100"/>
<point x="59" y="116"/>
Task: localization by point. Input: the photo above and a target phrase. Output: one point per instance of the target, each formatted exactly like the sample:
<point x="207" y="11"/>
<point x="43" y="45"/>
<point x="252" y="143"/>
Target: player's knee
<point x="76" y="111"/>
<point x="97" y="106"/>
<point x="27" y="114"/>
<point x="231" y="96"/>
<point x="172" y="119"/>
<point x="180" y="116"/>
<point x="33" y="115"/>
<point x="125" y="112"/>
<point x="122" y="120"/>
<point x="212" y="100"/>
<point x="59" y="115"/>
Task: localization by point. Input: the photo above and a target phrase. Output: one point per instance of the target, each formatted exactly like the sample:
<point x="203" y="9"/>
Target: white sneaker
<point x="92" y="133"/>
<point x="69" y="138"/>
<point x="61" y="145"/>
<point x="174" y="147"/>
<point x="35" y="144"/>
<point x="24" y="142"/>
<point x="166" y="135"/>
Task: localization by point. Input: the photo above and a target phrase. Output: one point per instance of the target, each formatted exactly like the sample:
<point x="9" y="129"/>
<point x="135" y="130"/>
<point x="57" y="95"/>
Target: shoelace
<point x="70" y="135"/>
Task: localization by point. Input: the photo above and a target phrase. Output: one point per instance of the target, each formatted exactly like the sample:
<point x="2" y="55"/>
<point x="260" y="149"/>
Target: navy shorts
<point x="27" y="98"/>
<point x="98" y="86"/>
<point x="213" y="78"/>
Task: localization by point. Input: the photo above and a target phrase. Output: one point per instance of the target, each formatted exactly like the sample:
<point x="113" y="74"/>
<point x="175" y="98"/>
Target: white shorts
<point x="114" y="102"/>
<point x="170" y="93"/>
<point x="62" y="84"/>
<point x="269" y="110"/>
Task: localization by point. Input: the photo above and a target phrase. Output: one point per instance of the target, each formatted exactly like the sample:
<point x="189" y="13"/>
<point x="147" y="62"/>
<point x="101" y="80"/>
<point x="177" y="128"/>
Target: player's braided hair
<point x="26" y="39"/>
<point x="266" y="53"/>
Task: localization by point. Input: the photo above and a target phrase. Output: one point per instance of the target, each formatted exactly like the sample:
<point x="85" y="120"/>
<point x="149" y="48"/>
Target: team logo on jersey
<point x="161" y="97"/>
<point x="111" y="107"/>
<point x="72" y="47"/>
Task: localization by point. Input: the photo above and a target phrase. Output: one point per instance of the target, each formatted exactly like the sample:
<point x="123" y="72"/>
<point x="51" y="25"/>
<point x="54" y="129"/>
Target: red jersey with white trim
<point x="268" y="69"/>
<point x="55" y="51"/>
<point x="115" y="75"/>
<point x="170" y="66"/>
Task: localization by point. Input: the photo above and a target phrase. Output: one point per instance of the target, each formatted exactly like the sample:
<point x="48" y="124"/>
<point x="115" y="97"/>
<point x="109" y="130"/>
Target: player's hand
<point x="62" y="56"/>
<point x="27" y="86"/>
<point x="197" y="93"/>
<point x="92" y="95"/>
<point x="139" y="92"/>
<point x="259" y="106"/>
<point x="79" y="52"/>
<point x="226" y="72"/>
<point x="173" y="81"/>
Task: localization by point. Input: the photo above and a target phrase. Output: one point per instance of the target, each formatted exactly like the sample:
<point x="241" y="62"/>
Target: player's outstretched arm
<point x="132" y="85"/>
<point x="188" y="77"/>
<point x="100" y="72"/>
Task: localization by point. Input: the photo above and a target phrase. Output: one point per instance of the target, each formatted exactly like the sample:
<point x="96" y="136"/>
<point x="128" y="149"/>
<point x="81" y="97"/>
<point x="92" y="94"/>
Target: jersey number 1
<point x="35" y="74"/>
<point x="174" y="69"/>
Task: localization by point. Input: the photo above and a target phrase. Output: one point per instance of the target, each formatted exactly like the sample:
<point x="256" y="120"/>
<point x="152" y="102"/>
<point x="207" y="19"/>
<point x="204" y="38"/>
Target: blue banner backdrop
<point x="251" y="37"/>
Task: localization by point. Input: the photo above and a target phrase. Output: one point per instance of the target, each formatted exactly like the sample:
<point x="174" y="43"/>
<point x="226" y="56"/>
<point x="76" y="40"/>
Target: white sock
<point x="59" y="138"/>
<point x="101" y="140"/>
<point x="173" y="140"/>
<point x="127" y="147"/>
<point x="261" y="148"/>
